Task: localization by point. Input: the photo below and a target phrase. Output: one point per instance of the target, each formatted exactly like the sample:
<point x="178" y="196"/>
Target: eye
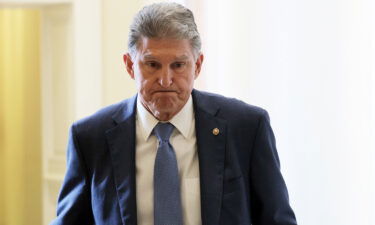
<point x="178" y="65"/>
<point x="152" y="64"/>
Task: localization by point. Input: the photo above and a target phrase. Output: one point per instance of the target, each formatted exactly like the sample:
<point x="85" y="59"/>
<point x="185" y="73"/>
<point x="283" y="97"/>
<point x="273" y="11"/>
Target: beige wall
<point x="20" y="140"/>
<point x="117" y="16"/>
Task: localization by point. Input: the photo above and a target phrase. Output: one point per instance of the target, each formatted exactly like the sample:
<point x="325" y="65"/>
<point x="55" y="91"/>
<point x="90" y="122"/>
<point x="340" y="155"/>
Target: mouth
<point x="165" y="91"/>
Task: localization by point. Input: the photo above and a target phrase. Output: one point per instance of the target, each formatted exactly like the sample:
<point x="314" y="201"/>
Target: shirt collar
<point x="182" y="120"/>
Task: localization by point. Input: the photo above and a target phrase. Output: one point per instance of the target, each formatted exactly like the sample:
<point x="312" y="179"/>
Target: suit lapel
<point x="211" y="154"/>
<point x="121" y="140"/>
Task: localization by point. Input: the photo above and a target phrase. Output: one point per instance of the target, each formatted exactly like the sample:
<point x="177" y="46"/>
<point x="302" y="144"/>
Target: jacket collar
<point x="126" y="111"/>
<point x="121" y="141"/>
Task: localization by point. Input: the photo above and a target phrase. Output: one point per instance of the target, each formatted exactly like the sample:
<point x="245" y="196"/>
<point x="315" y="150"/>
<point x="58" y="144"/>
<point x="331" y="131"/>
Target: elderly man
<point x="172" y="155"/>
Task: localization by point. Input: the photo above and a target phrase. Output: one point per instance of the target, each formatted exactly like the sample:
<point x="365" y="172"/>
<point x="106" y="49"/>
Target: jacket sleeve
<point x="269" y="196"/>
<point x="74" y="203"/>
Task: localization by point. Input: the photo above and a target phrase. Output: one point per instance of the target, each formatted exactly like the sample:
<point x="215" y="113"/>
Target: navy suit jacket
<point x="240" y="178"/>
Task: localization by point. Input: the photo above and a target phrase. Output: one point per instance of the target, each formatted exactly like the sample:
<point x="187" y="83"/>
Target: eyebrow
<point x="178" y="58"/>
<point x="183" y="57"/>
<point x="149" y="57"/>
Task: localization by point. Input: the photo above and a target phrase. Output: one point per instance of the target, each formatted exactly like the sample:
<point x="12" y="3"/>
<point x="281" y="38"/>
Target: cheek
<point x="142" y="82"/>
<point x="186" y="83"/>
<point x="145" y="87"/>
<point x="138" y="84"/>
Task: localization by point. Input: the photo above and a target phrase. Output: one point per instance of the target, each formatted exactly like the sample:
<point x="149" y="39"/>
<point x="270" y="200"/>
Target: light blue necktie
<point x="167" y="199"/>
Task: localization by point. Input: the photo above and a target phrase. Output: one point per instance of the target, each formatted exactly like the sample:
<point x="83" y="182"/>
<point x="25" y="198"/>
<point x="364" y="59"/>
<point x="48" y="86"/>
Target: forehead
<point x="156" y="47"/>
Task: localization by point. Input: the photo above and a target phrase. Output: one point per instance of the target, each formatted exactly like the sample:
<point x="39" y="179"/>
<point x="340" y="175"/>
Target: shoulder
<point x="229" y="107"/>
<point x="105" y="118"/>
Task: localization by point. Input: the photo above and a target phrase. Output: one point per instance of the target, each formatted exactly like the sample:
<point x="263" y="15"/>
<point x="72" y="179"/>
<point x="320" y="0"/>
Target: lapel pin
<point x="215" y="131"/>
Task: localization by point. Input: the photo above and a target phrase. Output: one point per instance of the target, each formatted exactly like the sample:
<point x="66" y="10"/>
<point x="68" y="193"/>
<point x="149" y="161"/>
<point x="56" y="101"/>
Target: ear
<point x="198" y="65"/>
<point x="129" y="64"/>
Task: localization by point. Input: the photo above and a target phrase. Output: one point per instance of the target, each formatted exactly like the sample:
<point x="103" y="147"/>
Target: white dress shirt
<point x="183" y="140"/>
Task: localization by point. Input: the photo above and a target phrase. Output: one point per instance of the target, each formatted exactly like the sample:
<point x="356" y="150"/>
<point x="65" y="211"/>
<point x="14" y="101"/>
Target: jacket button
<point x="215" y="131"/>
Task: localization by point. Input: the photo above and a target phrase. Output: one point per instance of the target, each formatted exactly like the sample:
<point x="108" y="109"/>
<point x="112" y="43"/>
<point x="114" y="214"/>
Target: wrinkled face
<point x="164" y="71"/>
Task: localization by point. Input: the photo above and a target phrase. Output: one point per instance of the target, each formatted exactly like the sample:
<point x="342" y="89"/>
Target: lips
<point x="165" y="91"/>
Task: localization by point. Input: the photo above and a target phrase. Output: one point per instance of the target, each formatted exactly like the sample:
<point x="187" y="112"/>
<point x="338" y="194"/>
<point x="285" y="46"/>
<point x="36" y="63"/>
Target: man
<point x="172" y="155"/>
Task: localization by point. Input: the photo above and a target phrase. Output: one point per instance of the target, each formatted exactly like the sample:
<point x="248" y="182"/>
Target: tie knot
<point x="163" y="131"/>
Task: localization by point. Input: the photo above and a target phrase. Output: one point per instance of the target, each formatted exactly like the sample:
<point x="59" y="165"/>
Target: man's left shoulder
<point x="228" y="107"/>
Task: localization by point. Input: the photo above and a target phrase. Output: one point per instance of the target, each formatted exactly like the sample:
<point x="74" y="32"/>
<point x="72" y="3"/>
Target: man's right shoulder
<point x="107" y="117"/>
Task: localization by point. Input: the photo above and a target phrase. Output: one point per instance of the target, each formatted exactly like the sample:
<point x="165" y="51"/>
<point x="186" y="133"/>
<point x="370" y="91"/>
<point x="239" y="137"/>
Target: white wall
<point x="311" y="64"/>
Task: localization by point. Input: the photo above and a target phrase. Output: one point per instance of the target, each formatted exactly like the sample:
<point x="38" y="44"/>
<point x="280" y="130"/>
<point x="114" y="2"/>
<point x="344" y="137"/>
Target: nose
<point x="166" y="78"/>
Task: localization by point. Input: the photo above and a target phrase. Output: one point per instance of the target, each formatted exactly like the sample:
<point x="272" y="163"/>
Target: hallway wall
<point x="20" y="117"/>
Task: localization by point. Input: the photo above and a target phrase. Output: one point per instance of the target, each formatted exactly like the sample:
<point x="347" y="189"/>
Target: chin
<point x="166" y="102"/>
<point x="166" y="107"/>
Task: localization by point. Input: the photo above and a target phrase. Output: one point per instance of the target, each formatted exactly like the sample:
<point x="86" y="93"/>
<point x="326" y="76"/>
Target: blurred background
<point x="310" y="63"/>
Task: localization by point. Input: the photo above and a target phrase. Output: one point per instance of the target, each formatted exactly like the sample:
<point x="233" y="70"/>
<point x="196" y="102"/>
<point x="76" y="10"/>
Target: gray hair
<point x="164" y="20"/>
